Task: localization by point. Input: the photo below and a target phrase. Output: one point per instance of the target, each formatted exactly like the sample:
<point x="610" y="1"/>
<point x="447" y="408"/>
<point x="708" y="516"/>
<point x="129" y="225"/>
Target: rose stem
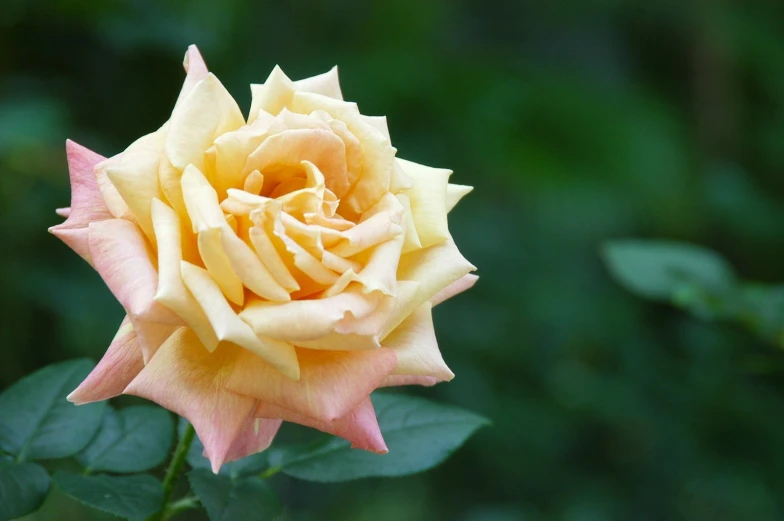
<point x="175" y="467"/>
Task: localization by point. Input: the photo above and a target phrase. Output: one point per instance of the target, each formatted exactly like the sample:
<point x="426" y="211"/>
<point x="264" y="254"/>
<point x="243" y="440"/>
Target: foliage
<point x="699" y="281"/>
<point x="135" y="439"/>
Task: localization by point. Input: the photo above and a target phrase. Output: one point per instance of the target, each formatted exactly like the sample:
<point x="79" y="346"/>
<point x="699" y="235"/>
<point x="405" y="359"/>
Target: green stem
<point x="179" y="506"/>
<point x="270" y="472"/>
<point x="173" y="472"/>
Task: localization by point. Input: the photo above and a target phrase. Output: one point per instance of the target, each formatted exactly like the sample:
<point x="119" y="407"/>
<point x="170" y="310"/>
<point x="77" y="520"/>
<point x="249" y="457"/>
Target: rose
<point x="277" y="269"/>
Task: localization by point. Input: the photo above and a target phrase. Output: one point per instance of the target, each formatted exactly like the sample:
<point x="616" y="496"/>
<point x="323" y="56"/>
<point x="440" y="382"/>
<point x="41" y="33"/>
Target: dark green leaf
<point x="134" y="439"/>
<point x="247" y="466"/>
<point x="39" y="423"/>
<point x="130" y="497"/>
<point x="659" y="269"/>
<point x="23" y="487"/>
<point x="227" y="499"/>
<point x="419" y="433"/>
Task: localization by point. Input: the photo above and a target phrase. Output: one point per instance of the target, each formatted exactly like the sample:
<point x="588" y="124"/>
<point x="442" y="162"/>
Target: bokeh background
<point x="576" y="121"/>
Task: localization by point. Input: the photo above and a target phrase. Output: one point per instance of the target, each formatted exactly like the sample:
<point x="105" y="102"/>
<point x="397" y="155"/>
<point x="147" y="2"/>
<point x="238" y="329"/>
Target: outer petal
<point x="331" y="382"/>
<point x="434" y="268"/>
<point x="87" y="204"/>
<point x="428" y="201"/>
<point x="256" y="436"/>
<point x="121" y="257"/>
<point x="462" y="284"/>
<point x="412" y="241"/>
<point x="196" y="70"/>
<point x="326" y="84"/>
<point x="454" y="193"/>
<point x="119" y="365"/>
<point x="400" y="380"/>
<point x="204" y="114"/>
<point x="359" y="426"/>
<point x="189" y="380"/>
<point x="134" y="174"/>
<point x="272" y="96"/>
<point x="151" y="336"/>
<point x="414" y="343"/>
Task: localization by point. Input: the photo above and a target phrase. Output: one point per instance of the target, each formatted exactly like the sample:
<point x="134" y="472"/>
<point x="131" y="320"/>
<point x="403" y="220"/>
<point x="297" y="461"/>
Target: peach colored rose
<point x="278" y="268"/>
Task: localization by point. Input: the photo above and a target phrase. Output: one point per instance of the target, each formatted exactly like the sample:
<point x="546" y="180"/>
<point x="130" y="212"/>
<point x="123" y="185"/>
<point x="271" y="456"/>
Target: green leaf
<point x="660" y="269"/>
<point x="761" y="309"/>
<point x="133" y="439"/>
<point x="39" y="423"/>
<point x="247" y="466"/>
<point x="419" y="433"/>
<point x="23" y="487"/>
<point x="227" y="499"/>
<point x="131" y="497"/>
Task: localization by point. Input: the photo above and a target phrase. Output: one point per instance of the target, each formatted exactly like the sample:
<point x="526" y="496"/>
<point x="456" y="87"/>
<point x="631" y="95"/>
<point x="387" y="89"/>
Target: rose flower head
<point x="279" y="268"/>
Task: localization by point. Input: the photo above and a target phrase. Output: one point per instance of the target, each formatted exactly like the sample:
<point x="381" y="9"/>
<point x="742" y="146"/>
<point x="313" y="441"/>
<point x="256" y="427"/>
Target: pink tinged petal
<point x="331" y="383"/>
<point x="400" y="380"/>
<point x="171" y="291"/>
<point x="119" y="365"/>
<point x="189" y="380"/>
<point x="76" y="239"/>
<point x="63" y="212"/>
<point x="341" y="342"/>
<point x="428" y="201"/>
<point x="122" y="258"/>
<point x="229" y="327"/>
<point x="462" y="284"/>
<point x="87" y="204"/>
<point x="454" y="193"/>
<point x="414" y="343"/>
<point x="326" y="84"/>
<point x="151" y="336"/>
<point x="195" y="69"/>
<point x="359" y="426"/>
<point x="256" y="436"/>
<point x="306" y="319"/>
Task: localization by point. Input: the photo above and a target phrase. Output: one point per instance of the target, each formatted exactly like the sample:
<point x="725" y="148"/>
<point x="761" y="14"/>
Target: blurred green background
<point x="575" y="121"/>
